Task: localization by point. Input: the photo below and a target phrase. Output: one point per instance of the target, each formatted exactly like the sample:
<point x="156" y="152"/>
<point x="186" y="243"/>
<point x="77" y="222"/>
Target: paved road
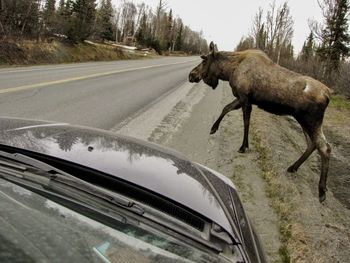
<point x="97" y="94"/>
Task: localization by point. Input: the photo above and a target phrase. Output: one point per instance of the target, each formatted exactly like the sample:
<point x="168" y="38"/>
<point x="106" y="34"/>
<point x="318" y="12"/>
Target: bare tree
<point x="279" y="29"/>
<point x="127" y="16"/>
<point x="258" y="31"/>
<point x="159" y="12"/>
<point x="140" y="11"/>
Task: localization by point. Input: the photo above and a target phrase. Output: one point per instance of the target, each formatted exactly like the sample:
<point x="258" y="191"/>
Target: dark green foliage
<point x="104" y="23"/>
<point x="19" y="18"/>
<point x="61" y="6"/>
<point x="335" y="35"/>
<point x="169" y="31"/>
<point x="261" y="40"/>
<point x="307" y="52"/>
<point x="77" y="20"/>
<point x="153" y="43"/>
<point x="49" y="14"/>
<point x="81" y="21"/>
<point x="179" y="38"/>
<point x="142" y="31"/>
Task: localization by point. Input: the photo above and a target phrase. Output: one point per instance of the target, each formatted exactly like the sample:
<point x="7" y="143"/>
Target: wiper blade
<point x="45" y="174"/>
<point x="30" y="161"/>
<point x="56" y="181"/>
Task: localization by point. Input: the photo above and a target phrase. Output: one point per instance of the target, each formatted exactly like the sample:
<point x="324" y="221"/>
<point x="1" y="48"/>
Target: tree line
<point x="325" y="52"/>
<point x="78" y="20"/>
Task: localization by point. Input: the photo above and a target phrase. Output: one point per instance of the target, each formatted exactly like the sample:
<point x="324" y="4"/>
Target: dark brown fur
<point x="255" y="79"/>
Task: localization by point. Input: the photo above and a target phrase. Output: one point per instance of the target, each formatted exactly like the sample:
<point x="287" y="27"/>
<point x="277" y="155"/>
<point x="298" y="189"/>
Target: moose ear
<point x="213" y="49"/>
<point x="211" y="46"/>
<point x="204" y="57"/>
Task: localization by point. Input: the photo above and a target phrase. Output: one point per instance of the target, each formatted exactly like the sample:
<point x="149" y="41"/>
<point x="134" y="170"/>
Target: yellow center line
<point x="55" y="82"/>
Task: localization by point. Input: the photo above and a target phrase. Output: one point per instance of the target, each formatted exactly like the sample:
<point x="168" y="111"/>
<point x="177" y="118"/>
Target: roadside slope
<point x="313" y="232"/>
<point x="53" y="52"/>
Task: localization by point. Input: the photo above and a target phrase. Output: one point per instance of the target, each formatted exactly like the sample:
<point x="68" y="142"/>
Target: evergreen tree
<point x="49" y="14"/>
<point x="104" y="21"/>
<point x="261" y="38"/>
<point x="82" y="20"/>
<point x="61" y="6"/>
<point x="307" y="51"/>
<point x="335" y="35"/>
<point x="142" y="30"/>
<point x="20" y="18"/>
<point x="179" y="38"/>
<point x="169" y="32"/>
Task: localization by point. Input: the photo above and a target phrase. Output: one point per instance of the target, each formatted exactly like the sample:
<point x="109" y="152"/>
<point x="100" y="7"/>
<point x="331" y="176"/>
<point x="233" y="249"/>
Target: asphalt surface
<point x="96" y="94"/>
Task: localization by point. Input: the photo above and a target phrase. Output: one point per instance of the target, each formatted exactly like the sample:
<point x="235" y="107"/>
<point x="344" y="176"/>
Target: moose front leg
<point x="234" y="105"/>
<point x="247" y="110"/>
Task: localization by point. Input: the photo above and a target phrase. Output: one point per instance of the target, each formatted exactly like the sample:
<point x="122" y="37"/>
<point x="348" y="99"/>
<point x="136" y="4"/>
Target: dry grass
<point x="32" y="52"/>
<point x="340" y="102"/>
<point x="274" y="190"/>
<point x="294" y="244"/>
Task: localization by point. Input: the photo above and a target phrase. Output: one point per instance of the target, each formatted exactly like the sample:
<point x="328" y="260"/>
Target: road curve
<point x="96" y="94"/>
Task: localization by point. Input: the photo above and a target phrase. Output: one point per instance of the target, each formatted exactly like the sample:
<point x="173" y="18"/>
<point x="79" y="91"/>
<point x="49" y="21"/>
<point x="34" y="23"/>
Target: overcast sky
<point x="226" y="21"/>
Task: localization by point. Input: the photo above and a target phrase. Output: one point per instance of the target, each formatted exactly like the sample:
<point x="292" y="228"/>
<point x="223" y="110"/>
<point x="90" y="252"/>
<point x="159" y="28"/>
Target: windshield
<point x="251" y="89"/>
<point x="35" y="229"/>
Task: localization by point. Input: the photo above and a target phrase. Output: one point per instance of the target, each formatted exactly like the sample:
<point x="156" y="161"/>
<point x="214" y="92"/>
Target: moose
<point x="257" y="80"/>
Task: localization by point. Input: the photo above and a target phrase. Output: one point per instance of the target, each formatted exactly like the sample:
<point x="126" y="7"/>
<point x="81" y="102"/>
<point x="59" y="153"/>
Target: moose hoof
<point x="241" y="150"/>
<point x="213" y="130"/>
<point x="322" y="195"/>
<point x="291" y="169"/>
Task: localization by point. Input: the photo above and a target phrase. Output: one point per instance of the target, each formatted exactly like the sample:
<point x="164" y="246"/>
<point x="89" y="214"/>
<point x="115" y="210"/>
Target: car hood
<point x="158" y="169"/>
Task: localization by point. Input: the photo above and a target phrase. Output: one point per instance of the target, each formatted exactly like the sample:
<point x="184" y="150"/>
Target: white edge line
<point x="14" y="200"/>
<point x="46" y="84"/>
<point x="36" y="126"/>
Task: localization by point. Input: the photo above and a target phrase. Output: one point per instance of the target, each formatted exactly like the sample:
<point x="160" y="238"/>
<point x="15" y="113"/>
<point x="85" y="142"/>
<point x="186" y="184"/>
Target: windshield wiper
<point x="47" y="175"/>
<point x="17" y="167"/>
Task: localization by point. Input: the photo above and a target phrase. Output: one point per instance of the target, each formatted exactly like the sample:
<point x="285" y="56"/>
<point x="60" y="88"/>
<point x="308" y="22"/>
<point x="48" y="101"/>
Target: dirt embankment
<point x="32" y="52"/>
<point x="312" y="232"/>
<point x="293" y="225"/>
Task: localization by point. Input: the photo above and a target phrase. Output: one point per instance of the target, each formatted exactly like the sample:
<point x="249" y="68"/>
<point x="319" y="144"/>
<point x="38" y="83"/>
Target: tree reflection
<point x="41" y="139"/>
<point x="65" y="143"/>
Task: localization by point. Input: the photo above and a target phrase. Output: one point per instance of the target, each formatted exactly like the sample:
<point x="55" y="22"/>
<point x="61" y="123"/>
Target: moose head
<point x="207" y="70"/>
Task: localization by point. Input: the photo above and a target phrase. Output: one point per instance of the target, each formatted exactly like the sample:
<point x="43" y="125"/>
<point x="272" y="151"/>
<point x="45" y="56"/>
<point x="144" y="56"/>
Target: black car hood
<point x="153" y="167"/>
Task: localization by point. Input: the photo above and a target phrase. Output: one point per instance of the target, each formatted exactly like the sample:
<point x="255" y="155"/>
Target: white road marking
<point x="20" y="70"/>
<point x="36" y="126"/>
<point x="50" y="83"/>
<point x="14" y="200"/>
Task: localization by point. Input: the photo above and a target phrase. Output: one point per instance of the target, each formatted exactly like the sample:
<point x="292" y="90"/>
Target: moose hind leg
<point x="247" y="109"/>
<point x="309" y="150"/>
<point x="234" y="105"/>
<point x="324" y="150"/>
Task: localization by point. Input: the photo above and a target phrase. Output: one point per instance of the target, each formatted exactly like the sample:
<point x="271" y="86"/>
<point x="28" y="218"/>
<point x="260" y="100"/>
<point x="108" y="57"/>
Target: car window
<point x="35" y="229"/>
